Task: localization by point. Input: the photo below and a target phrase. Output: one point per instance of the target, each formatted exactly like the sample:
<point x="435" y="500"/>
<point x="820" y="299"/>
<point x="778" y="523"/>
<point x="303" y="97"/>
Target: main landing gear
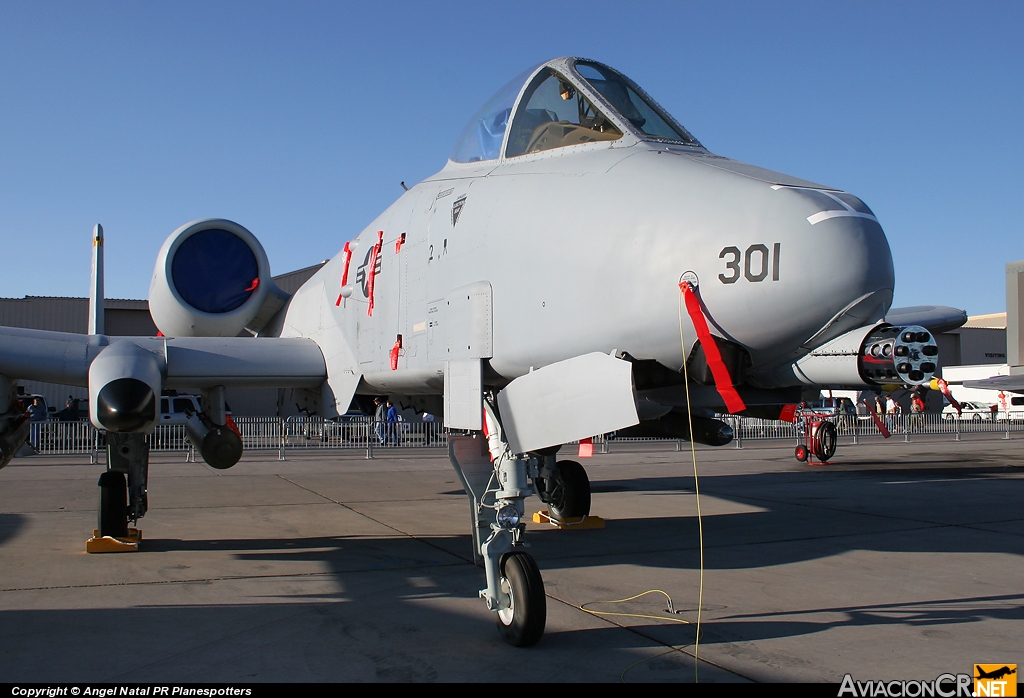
<point x="564" y="487"/>
<point x="497" y="482"/>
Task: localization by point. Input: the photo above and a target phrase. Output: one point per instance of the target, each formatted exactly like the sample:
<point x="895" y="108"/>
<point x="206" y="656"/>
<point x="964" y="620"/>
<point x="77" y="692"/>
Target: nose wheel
<point x="522" y="623"/>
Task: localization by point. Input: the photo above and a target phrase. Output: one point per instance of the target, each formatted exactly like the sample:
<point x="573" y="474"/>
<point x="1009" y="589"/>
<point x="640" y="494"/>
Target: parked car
<point x="973" y="411"/>
<point x="76" y="411"/>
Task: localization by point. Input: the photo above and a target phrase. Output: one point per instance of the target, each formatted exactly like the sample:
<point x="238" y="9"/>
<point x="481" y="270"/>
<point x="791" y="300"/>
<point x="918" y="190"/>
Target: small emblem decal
<point x="361" y="272"/>
<point x="457" y="209"/>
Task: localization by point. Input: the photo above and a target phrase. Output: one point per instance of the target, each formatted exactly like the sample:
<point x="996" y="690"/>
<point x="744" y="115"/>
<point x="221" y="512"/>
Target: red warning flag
<point x="230" y="424"/>
<point x="723" y="381"/>
<point x="399" y="242"/>
<point x="371" y="272"/>
<point x="347" y="251"/>
<point x="882" y="429"/>
<point x="394" y="353"/>
<point x="254" y="285"/>
<point x="944" y="387"/>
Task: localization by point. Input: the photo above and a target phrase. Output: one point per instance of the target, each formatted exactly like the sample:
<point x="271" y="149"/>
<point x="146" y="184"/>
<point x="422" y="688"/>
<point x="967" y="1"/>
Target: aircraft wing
<point x="196" y="362"/>
<point x="937" y="318"/>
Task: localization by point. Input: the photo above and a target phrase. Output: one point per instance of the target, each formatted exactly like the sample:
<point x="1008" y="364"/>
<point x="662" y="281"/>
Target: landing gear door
<point x="464" y="320"/>
<point x="569" y="400"/>
<point x="463" y="394"/>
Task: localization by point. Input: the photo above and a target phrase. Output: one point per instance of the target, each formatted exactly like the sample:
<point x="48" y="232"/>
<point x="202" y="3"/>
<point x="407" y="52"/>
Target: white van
<point x="174" y="407"/>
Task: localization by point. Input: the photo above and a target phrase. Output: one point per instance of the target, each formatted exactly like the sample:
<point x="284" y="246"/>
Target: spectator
<point x="380" y="418"/>
<point x="892" y="409"/>
<point x="917" y="411"/>
<point x="392" y="426"/>
<point x="36" y="411"/>
<point x="429" y="428"/>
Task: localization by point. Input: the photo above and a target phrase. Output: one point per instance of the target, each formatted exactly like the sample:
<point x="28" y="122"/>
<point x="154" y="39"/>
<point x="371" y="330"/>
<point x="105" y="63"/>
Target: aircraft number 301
<point x="755" y="264"/>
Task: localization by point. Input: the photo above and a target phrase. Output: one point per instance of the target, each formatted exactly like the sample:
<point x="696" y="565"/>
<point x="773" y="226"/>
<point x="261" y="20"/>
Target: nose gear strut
<point x="497" y="483"/>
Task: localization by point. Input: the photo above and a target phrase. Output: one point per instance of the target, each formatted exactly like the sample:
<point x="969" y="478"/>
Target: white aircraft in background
<point x="579" y="256"/>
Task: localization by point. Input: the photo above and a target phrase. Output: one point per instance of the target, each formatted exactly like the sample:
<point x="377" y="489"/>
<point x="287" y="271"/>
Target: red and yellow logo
<point x="995" y="680"/>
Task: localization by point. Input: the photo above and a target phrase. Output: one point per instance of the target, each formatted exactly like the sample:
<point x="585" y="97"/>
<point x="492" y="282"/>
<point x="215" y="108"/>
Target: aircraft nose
<point x="826" y="270"/>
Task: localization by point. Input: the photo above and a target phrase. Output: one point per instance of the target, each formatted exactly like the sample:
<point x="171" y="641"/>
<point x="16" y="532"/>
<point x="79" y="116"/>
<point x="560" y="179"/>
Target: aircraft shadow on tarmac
<point x="792" y="517"/>
<point x="10" y="524"/>
<point x="787" y="517"/>
<point x="943" y="612"/>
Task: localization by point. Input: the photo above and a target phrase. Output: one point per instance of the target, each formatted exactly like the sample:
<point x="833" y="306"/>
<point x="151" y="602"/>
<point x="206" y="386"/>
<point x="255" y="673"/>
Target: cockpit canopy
<point x="561" y="103"/>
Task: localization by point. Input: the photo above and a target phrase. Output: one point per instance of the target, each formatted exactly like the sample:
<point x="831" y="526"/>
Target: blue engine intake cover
<point x="214" y="271"/>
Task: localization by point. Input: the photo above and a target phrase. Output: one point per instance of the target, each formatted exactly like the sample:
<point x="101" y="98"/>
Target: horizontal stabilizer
<point x="567" y="401"/>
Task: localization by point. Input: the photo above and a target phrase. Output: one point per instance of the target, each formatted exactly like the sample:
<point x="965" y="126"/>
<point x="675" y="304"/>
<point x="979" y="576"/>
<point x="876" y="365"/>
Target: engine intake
<point x="212" y="278"/>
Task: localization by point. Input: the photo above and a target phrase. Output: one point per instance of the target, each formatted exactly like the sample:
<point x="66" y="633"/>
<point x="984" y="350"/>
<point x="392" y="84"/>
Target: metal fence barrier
<point x="366" y="434"/>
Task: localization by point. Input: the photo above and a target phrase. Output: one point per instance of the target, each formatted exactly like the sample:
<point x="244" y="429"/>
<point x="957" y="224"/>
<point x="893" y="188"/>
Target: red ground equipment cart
<point x="818" y="434"/>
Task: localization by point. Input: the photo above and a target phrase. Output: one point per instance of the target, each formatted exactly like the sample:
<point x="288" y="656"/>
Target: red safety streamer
<point x="371" y="272"/>
<point x="723" y="381"/>
<point x="399" y="242"/>
<point x="230" y="424"/>
<point x="884" y="430"/>
<point x="254" y="285"/>
<point x="394" y="353"/>
<point x="347" y="251"/>
<point x="944" y="387"/>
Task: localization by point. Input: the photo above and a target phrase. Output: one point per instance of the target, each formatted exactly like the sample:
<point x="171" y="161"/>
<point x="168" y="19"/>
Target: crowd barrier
<point x="366" y="434"/>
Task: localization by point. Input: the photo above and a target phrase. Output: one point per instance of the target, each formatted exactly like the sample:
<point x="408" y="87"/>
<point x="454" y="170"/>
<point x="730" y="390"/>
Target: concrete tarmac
<point x="899" y="561"/>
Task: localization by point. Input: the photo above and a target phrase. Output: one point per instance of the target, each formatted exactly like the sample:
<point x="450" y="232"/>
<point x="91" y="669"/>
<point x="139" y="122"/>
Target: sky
<point x="299" y="119"/>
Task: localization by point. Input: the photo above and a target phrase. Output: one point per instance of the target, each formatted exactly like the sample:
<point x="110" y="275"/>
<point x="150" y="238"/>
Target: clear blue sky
<point x="299" y="119"/>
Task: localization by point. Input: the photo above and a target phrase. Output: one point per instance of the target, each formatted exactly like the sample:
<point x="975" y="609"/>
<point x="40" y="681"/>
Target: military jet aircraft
<point x="581" y="265"/>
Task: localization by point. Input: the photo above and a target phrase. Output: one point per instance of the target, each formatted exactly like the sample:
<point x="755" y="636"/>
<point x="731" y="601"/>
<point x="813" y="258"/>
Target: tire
<point x="802" y="453"/>
<point x="826" y="441"/>
<point x="976" y="418"/>
<point x="570" y="494"/>
<point x="522" y="624"/>
<point x="112" y="513"/>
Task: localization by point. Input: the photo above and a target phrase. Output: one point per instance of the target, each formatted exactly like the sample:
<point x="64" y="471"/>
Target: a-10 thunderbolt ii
<point x="579" y="262"/>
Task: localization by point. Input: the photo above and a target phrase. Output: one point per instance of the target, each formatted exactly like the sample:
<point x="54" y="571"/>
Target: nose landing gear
<point x="123" y="494"/>
<point x="497" y="483"/>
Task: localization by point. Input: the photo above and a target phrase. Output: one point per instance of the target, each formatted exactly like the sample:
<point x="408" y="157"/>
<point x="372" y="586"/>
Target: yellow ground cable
<point x="632" y="615"/>
<point x="670" y="650"/>
<point x="696" y="488"/>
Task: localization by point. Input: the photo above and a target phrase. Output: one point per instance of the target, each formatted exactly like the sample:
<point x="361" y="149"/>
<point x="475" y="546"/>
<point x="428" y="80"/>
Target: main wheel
<point x="826" y="440"/>
<point x="801" y="453"/>
<point x="522" y="623"/>
<point x="112" y="515"/>
<point x="570" y="491"/>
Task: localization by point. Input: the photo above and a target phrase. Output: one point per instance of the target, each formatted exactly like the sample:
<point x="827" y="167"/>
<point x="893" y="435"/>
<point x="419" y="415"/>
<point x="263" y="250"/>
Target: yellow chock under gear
<point x="543" y="517"/>
<point x="109" y="544"/>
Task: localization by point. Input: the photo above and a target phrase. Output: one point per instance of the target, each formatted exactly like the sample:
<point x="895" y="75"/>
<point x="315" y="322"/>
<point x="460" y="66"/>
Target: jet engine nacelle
<point x="880" y="355"/>
<point x="212" y="278"/>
